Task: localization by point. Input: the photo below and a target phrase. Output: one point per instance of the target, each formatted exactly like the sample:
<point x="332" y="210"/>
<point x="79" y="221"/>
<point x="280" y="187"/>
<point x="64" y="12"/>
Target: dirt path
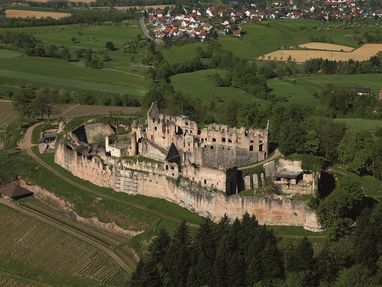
<point x="123" y="72"/>
<point x="144" y="28"/>
<point x="43" y="218"/>
<point x="69" y="110"/>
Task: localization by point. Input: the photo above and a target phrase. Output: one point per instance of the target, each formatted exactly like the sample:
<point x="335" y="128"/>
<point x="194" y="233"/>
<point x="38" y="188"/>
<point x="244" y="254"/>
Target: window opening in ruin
<point x="205" y="181"/>
<point x="261" y="147"/>
<point x="155" y="128"/>
<point x="229" y="140"/>
<point x="251" y="141"/>
<point x="166" y="167"/>
<point x="251" y="148"/>
<point x="223" y="140"/>
<point x="213" y="140"/>
<point x="212" y="147"/>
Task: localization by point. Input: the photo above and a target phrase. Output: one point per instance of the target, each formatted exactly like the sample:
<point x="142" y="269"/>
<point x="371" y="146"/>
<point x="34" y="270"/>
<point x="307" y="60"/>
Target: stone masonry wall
<point x="275" y="211"/>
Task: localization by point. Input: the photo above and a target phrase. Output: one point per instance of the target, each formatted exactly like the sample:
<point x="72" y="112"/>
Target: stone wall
<point x="90" y="169"/>
<point x="275" y="211"/>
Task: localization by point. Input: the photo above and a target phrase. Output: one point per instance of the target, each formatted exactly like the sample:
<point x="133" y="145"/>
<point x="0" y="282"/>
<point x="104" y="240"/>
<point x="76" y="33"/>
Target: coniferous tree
<point x="177" y="260"/>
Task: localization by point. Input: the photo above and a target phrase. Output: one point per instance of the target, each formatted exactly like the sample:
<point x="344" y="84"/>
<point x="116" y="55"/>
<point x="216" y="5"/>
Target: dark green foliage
<point x="368" y="238"/>
<point x="346" y="201"/>
<point x="240" y="254"/>
<point x="344" y="101"/>
<point x="361" y="153"/>
<point x="373" y="65"/>
<point x="109" y="45"/>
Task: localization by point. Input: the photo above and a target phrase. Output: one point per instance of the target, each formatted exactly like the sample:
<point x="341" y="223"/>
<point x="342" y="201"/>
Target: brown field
<point x="34" y="14"/>
<point x="361" y="54"/>
<point x="71" y="111"/>
<point x="7" y="114"/>
<point x="326" y="46"/>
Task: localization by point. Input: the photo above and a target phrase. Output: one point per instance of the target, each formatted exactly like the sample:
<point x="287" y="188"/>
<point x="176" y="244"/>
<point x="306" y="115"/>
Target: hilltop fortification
<point x="169" y="157"/>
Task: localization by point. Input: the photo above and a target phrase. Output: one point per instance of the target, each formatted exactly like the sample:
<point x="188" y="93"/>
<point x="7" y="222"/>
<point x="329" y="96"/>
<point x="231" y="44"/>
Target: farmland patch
<point x="363" y="53"/>
<point x="14" y="13"/>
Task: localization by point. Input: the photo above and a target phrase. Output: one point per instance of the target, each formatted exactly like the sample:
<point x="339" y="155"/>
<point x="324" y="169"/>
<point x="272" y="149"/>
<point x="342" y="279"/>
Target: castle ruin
<point x="169" y="157"/>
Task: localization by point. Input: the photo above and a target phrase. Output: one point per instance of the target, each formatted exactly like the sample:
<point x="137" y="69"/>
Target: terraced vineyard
<point x="43" y="249"/>
<point x="9" y="280"/>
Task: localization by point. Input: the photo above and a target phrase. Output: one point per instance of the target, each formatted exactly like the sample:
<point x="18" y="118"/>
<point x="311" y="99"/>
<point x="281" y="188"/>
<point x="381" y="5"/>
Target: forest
<point x="245" y="253"/>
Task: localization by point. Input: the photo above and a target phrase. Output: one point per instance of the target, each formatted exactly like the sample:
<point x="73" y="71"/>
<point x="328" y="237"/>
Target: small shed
<point x="14" y="191"/>
<point x="361" y="91"/>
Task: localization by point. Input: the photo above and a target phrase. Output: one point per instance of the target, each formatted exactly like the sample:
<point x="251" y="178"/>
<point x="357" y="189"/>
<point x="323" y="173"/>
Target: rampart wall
<point x="190" y="195"/>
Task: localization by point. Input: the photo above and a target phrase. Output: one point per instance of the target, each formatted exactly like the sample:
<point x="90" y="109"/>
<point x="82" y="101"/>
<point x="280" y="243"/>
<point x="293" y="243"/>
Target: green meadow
<point x="301" y="89"/>
<point x="198" y="86"/>
<point x="48" y="72"/>
<point x="93" y="37"/>
<point x="361" y="124"/>
<point x="123" y="74"/>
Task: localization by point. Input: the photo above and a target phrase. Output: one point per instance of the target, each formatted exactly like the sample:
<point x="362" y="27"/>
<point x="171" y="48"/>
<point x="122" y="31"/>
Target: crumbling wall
<point x="275" y="211"/>
<point x="89" y="169"/>
<point x="188" y="194"/>
<point x="207" y="177"/>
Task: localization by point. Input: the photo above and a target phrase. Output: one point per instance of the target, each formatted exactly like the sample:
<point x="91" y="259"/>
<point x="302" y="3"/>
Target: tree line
<point x="314" y="66"/>
<point x="246" y="253"/>
<point x="39" y="103"/>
